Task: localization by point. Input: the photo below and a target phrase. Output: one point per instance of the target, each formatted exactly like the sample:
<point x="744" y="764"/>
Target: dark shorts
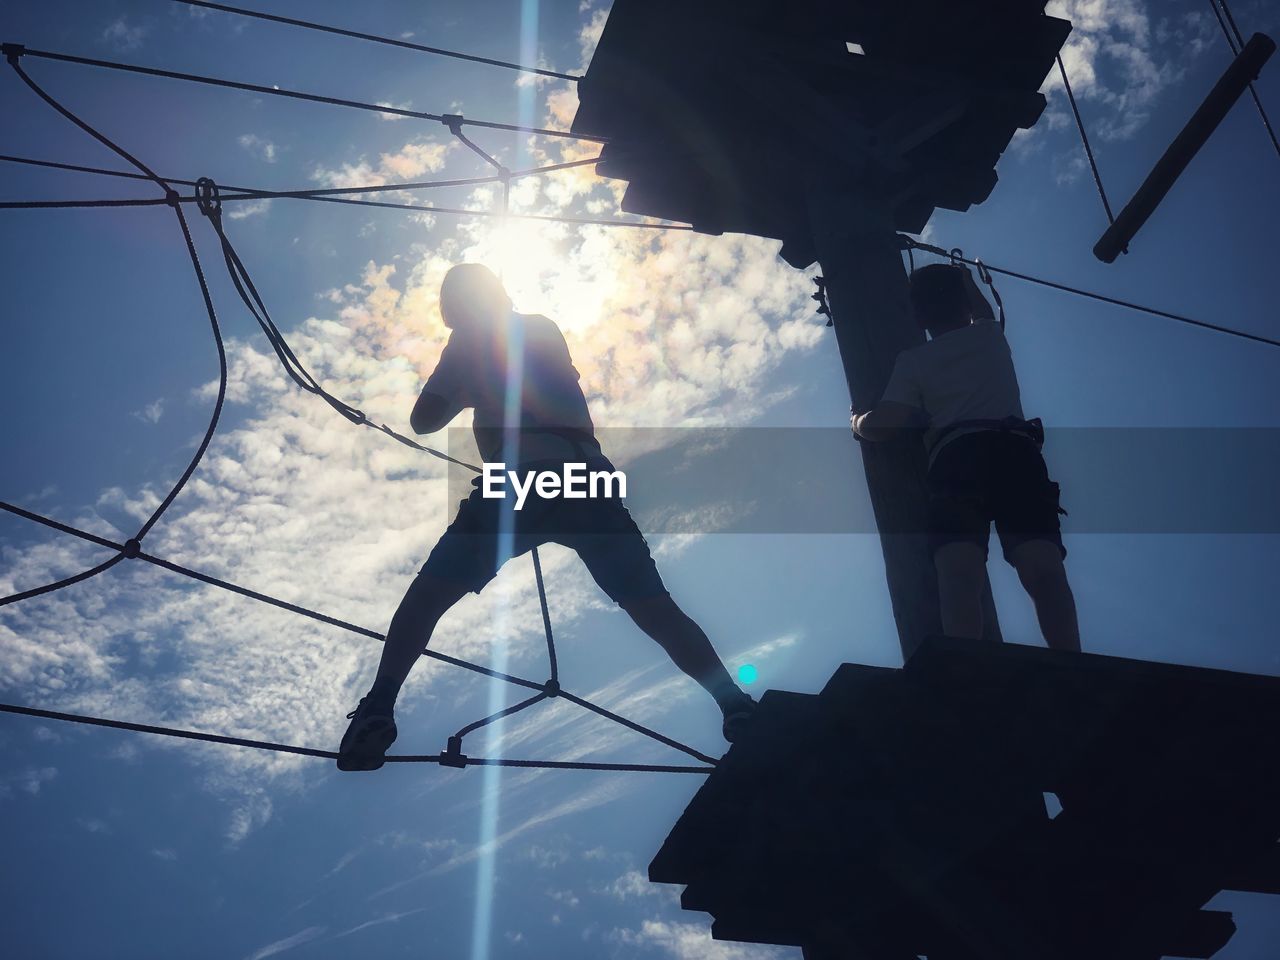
<point x="600" y="530"/>
<point x="992" y="477"/>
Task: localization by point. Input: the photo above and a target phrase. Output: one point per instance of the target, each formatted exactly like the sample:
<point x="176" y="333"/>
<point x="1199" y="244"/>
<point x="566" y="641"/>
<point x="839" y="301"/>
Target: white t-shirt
<point x="966" y="374"/>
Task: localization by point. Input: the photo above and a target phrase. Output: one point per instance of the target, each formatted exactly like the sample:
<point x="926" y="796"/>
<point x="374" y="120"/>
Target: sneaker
<point x="364" y="746"/>
<point x="737" y="718"/>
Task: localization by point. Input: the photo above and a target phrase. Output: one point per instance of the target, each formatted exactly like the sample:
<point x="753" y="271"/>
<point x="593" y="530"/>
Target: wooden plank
<point x="891" y="806"/>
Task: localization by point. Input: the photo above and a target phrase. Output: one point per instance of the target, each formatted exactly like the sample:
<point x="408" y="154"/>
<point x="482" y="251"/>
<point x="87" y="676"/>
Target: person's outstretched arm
<point x="432" y="412"/>
<point x="445" y="393"/>
<point x="900" y="408"/>
<point x="885" y="420"/>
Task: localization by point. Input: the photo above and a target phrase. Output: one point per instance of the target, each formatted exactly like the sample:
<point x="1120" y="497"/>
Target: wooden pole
<point x="861" y="261"/>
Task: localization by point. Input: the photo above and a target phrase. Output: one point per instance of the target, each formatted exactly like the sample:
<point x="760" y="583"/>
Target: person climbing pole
<point x="985" y="463"/>
<point x="515" y="371"/>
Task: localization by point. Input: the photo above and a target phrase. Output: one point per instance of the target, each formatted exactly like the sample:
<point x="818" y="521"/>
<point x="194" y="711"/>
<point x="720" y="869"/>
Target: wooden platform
<point x="726" y="113"/>
<point x="901" y="813"/>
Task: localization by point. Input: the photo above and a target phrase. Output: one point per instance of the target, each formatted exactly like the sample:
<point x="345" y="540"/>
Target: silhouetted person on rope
<point x="985" y="463"/>
<point x="530" y="414"/>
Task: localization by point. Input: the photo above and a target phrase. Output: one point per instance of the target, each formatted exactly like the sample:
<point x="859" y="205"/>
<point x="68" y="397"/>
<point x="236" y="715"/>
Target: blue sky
<point x="156" y="848"/>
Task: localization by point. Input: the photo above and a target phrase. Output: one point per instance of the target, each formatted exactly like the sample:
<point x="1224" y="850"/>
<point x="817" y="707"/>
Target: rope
<point x="913" y="244"/>
<point x="254" y="193"/>
<point x="373" y="38"/>
<point x="345" y="625"/>
<point x="209" y="200"/>
<point x="132" y="546"/>
<point x="338" y="195"/>
<point x="260" y="597"/>
<point x="384" y="204"/>
<point x="1084" y="139"/>
<point x="329" y="754"/>
<point x="638" y="728"/>
<point x="65" y="582"/>
<point x="1235" y="40"/>
<point x="508" y="711"/>
<point x="13" y="51"/>
<point x="1239" y="39"/>
<point x="546" y="617"/>
<point x="211" y="207"/>
<point x="60" y="204"/>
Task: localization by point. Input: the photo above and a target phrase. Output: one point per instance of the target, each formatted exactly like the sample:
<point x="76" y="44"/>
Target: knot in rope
<point x="132" y="547"/>
<point x="551" y="688"/>
<point x="208" y="198"/>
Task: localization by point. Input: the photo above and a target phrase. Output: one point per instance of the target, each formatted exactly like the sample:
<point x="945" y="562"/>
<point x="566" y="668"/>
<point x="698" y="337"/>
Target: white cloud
<point x="29" y="781"/>
<point x="602" y="792"/>
<point x="377" y="922"/>
<point x="125" y="36"/>
<point x="566" y="897"/>
<point x="259" y="147"/>
<point x="1119" y="64"/>
<point x="152" y="412"/>
<point x="126" y="752"/>
<point x="165" y="853"/>
<point x="411" y="161"/>
<point x="589" y="35"/>
<point x="397" y="106"/>
<point x="537" y="79"/>
<point x="252" y="812"/>
<point x="545" y="858"/>
<point x="287" y="943"/>
<point x="247" y="208"/>
<point x="692" y="941"/>
<point x="634" y="885"/>
<point x="343" y="862"/>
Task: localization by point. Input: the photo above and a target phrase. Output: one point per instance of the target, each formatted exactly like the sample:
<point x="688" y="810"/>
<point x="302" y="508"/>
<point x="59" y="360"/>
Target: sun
<point x="548" y="268"/>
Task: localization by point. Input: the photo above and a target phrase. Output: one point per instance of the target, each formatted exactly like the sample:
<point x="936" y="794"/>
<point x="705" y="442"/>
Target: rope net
<point x="209" y="201"/>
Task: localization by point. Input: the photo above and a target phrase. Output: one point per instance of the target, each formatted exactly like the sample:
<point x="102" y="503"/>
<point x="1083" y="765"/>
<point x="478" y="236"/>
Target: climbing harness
<point x="1032" y="429"/>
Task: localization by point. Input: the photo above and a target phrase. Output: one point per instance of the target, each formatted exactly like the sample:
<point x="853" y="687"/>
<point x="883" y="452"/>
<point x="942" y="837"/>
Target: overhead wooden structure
<point x="901" y="813"/>
<point x="724" y="113"/>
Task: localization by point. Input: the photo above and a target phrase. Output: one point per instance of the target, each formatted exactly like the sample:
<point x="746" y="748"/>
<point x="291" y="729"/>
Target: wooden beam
<point x="1230" y="86"/>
